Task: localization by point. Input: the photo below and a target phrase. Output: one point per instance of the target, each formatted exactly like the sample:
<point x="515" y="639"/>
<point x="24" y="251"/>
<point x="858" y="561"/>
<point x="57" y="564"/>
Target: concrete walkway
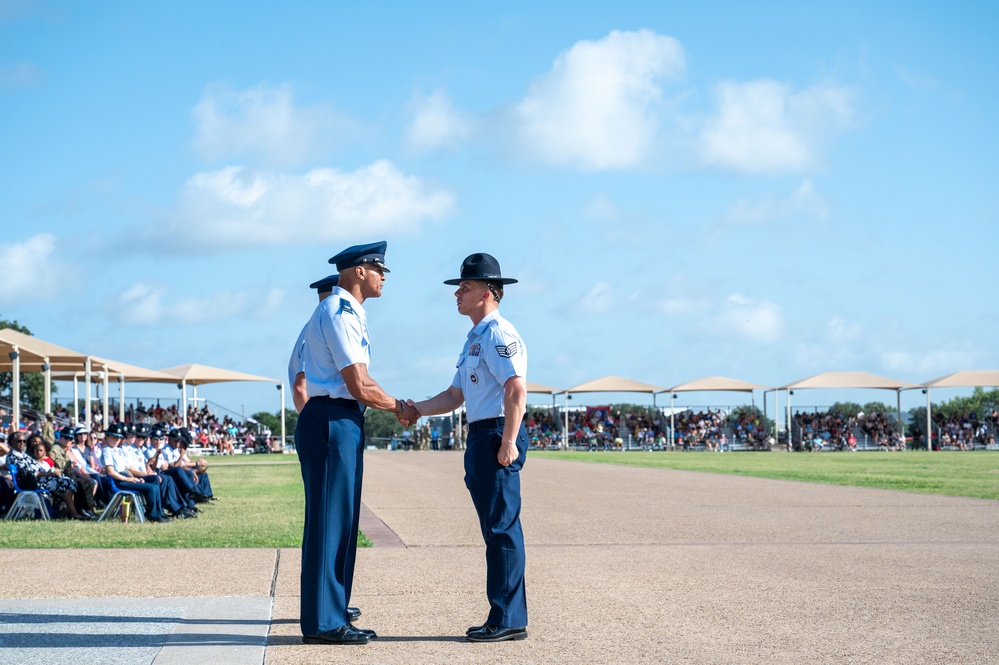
<point x="625" y="565"/>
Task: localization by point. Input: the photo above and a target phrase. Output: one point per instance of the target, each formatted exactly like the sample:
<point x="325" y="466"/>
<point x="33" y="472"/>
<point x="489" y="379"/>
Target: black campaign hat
<point x="357" y="255"/>
<point x="483" y="268"/>
<point x="115" y="429"/>
<point x="326" y="283"/>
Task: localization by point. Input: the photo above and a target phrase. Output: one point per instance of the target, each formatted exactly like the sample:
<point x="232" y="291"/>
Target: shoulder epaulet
<point x="345" y="307"/>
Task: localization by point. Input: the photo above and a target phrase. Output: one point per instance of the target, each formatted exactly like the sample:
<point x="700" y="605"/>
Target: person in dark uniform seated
<point x="117" y="465"/>
<point x="192" y="478"/>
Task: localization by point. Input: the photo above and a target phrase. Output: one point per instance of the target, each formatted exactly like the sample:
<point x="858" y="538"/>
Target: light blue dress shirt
<point x="493" y="353"/>
<point x="335" y="337"/>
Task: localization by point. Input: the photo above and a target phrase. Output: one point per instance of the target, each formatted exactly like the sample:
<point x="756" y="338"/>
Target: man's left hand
<point x="507" y="453"/>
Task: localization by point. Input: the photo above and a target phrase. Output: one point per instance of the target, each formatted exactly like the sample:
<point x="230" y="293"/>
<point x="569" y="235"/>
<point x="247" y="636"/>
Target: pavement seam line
<point x="277" y="565"/>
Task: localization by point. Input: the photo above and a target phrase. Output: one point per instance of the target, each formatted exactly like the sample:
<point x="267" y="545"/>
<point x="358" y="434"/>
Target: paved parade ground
<point x="624" y="565"/>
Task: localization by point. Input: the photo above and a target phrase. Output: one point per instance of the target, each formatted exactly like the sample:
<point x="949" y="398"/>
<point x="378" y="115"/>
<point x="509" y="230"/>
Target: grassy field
<point x="970" y="474"/>
<point x="262" y="505"/>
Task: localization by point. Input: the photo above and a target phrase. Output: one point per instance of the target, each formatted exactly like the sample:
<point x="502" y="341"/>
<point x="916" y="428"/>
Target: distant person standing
<point x="491" y="380"/>
<point x="329" y="439"/>
<point x="296" y="364"/>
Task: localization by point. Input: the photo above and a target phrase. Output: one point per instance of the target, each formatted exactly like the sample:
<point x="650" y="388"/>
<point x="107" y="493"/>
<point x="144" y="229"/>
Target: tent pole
<point x="183" y="401"/>
<point x="15" y="387"/>
<point x="87" y="378"/>
<point x="47" y="368"/>
<point x="283" y="433"/>
<point x="672" y="427"/>
<point x="790" y="442"/>
<point x="929" y="424"/>
<point x="901" y="427"/>
<point x="76" y="401"/>
<point x="565" y="432"/>
<point x="105" y="378"/>
<point x="121" y="398"/>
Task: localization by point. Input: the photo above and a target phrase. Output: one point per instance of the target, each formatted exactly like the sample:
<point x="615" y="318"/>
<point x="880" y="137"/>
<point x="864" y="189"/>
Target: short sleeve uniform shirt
<point x="493" y="353"/>
<point x="335" y="337"/>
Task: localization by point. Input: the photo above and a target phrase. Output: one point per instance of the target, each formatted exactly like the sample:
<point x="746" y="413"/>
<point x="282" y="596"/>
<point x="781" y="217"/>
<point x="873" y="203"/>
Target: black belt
<point x="342" y="402"/>
<point x="488" y="423"/>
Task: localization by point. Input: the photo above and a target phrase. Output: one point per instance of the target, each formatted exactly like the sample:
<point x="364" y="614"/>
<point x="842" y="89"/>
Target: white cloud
<point x="764" y="126"/>
<point x="261" y="122"/>
<point x="743" y="318"/>
<point x="19" y="75"/>
<point x="929" y="364"/>
<point x="602" y="208"/>
<point x="30" y="270"/>
<point x="241" y="207"/>
<point x="599" y="299"/>
<point x="437" y="124"/>
<point x="596" y="107"/>
<point x="143" y="305"/>
<point x="804" y="202"/>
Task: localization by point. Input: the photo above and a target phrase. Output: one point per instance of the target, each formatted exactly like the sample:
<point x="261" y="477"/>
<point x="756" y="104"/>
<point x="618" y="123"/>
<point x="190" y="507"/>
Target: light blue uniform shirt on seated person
<point x="335" y="337"/>
<point x="169" y="455"/>
<point x="493" y="353"/>
<point x="116" y="459"/>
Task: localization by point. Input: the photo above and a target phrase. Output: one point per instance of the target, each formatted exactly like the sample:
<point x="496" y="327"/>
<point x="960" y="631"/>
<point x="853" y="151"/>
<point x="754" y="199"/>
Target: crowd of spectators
<point x="965" y="431"/>
<point x="81" y="469"/>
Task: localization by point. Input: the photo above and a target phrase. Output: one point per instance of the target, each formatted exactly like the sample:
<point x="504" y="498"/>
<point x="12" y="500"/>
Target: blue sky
<point x="763" y="191"/>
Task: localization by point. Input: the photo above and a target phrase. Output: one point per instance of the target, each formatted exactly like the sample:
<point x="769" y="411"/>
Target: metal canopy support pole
<point x="790" y="441"/>
<point x="283" y="433"/>
<point x="565" y="432"/>
<point x="672" y="427"/>
<point x="87" y="369"/>
<point x="183" y="401"/>
<point x="15" y="387"/>
<point x="47" y="368"/>
<point x="76" y="401"/>
<point x="901" y="427"/>
<point x="929" y="424"/>
<point x="105" y="376"/>
<point x="121" y="398"/>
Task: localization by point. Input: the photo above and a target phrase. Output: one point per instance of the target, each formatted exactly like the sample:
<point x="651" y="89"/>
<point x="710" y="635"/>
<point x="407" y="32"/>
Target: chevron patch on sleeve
<point x="508" y="351"/>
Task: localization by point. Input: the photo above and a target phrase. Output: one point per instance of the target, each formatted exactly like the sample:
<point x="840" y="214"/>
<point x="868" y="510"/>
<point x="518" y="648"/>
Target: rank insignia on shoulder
<point x="475" y="349"/>
<point x="508" y="351"/>
<point x="345" y="307"/>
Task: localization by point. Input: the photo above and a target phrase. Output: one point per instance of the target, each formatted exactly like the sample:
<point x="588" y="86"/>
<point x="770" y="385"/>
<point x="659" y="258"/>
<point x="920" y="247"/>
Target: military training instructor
<point x="491" y="379"/>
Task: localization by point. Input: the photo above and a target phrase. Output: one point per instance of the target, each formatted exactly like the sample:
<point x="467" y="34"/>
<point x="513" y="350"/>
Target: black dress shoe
<point x="342" y="635"/>
<point x="353" y="614"/>
<point x="475" y="629"/>
<point x="367" y="631"/>
<point x="496" y="634"/>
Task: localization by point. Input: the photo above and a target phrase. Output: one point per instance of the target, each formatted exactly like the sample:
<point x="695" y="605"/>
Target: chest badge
<point x="473" y="378"/>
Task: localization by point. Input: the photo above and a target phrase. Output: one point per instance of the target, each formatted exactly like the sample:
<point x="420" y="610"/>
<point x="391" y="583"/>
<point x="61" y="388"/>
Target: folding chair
<point x="118" y="501"/>
<point x="28" y="503"/>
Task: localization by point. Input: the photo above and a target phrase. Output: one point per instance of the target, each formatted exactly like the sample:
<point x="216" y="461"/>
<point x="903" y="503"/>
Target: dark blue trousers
<point x="495" y="491"/>
<point x="184" y="480"/>
<point x="169" y="496"/>
<point x="330" y="444"/>
<point x="149" y="492"/>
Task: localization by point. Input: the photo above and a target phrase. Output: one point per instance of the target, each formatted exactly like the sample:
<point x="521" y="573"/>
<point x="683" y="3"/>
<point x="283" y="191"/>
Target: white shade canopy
<point x="966" y="378"/>
<point x="718" y="383"/>
<point x="197" y="375"/>
<point x="850" y="380"/>
<point x="614" y="384"/>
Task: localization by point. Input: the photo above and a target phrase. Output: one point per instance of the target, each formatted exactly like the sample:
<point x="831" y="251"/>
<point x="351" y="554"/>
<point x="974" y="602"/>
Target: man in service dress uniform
<point x="329" y="438"/>
<point x="492" y="382"/>
<point x="296" y="364"/>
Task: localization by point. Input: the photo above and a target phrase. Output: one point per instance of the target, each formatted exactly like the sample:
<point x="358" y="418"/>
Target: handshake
<point x="409" y="414"/>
